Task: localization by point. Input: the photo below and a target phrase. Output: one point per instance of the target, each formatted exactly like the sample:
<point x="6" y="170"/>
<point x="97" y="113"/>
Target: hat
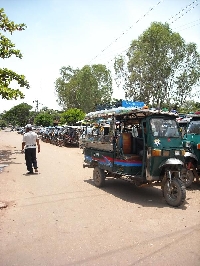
<point x="28" y="126"/>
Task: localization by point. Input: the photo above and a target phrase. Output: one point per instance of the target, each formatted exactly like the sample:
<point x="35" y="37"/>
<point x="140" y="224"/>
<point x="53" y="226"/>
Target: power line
<point x="174" y="18"/>
<point x="188" y="23"/>
<point x="177" y="16"/>
<point x="190" y="26"/>
<point x="184" y="11"/>
<point x="152" y="8"/>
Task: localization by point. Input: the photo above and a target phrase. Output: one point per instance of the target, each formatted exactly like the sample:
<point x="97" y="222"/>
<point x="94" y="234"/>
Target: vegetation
<point x="7" y="49"/>
<point x="189" y="107"/>
<point x="84" y="88"/>
<point x="44" y="119"/>
<point x="2" y="123"/>
<point x="159" y="68"/>
<point x="71" y="116"/>
<point x="21" y="114"/>
<point x="18" y="115"/>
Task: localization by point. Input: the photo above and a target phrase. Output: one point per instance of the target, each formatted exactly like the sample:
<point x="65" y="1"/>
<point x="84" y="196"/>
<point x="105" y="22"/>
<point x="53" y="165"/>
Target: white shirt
<point x="30" y="139"/>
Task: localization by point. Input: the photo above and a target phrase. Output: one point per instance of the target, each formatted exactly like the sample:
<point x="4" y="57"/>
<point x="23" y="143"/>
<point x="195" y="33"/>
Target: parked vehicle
<point x="85" y="133"/>
<point x="139" y="145"/>
<point x="21" y="130"/>
<point x="192" y="146"/>
<point x="71" y="135"/>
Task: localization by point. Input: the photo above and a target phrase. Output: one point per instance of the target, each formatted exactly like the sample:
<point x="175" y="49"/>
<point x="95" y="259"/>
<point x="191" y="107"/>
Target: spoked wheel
<point x="174" y="192"/>
<point x="187" y="177"/>
<point x="99" y="177"/>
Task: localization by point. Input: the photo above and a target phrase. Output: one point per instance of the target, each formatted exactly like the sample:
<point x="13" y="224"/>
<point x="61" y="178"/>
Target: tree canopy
<point x="18" y="115"/>
<point x="159" y="67"/>
<point x="44" y="119"/>
<point x="7" y="49"/>
<point x="71" y="116"/>
<point x="47" y="117"/>
<point x="84" y="88"/>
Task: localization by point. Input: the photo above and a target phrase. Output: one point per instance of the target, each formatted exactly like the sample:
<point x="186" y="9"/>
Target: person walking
<point x="29" y="142"/>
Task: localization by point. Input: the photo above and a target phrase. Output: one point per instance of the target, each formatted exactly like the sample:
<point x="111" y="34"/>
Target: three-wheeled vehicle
<point x="191" y="140"/>
<point x="138" y="145"/>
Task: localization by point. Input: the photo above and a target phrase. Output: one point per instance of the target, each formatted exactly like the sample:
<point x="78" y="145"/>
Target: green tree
<point x="159" y="67"/>
<point x="7" y="49"/>
<point x="44" y="119"/>
<point x="18" y="115"/>
<point x="71" y="116"/>
<point x="189" y="106"/>
<point x="55" y="114"/>
<point x="84" y="88"/>
<point x="2" y="123"/>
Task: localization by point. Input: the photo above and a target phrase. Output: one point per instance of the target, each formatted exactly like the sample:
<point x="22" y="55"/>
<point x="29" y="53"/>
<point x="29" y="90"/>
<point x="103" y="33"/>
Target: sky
<point x="84" y="32"/>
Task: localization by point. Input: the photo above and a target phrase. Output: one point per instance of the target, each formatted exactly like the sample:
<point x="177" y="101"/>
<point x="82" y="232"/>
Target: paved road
<point x="59" y="217"/>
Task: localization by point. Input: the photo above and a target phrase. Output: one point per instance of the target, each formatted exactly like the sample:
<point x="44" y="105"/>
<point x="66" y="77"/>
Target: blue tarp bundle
<point x="132" y="104"/>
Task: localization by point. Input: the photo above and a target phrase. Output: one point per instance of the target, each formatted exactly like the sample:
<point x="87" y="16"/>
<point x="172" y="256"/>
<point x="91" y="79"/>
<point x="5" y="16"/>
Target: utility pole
<point x="37" y="105"/>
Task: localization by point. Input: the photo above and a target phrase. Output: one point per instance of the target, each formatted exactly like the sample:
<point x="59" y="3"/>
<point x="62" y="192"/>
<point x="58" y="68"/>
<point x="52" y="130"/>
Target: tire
<point x="174" y="192"/>
<point x="187" y="177"/>
<point x="60" y="143"/>
<point x="99" y="177"/>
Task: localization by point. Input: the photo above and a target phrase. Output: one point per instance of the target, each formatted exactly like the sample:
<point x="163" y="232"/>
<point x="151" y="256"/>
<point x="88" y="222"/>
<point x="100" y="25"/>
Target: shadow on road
<point x="195" y="186"/>
<point x="7" y="159"/>
<point x="143" y="196"/>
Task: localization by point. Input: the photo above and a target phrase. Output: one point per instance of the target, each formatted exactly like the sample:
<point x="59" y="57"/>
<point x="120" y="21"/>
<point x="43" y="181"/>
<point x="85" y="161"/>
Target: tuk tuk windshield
<point x="194" y="128"/>
<point x="162" y="127"/>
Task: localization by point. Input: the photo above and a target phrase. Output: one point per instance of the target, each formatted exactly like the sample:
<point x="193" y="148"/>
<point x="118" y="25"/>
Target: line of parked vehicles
<point x="143" y="146"/>
<point x="57" y="135"/>
<point x="61" y="135"/>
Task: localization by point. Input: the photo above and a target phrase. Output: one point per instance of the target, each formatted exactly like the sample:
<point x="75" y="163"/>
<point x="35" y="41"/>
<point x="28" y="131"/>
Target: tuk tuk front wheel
<point x="188" y="177"/>
<point x="99" y="177"/>
<point x="174" y="192"/>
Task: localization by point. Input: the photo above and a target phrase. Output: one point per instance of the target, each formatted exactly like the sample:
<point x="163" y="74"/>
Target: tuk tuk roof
<point x="121" y="112"/>
<point x="195" y="117"/>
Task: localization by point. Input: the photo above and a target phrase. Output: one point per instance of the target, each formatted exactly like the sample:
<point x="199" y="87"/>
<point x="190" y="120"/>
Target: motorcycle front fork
<point x="169" y="175"/>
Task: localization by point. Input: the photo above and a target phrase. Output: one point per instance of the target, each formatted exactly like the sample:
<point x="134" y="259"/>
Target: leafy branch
<point x="7" y="49"/>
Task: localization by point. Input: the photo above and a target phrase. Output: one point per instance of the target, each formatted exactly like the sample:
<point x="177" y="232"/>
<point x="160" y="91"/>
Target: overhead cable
<point x="177" y="16"/>
<point x="152" y="8"/>
<point x="184" y="11"/>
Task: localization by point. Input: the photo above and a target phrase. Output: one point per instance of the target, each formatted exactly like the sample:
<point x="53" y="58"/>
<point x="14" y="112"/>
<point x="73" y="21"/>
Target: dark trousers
<point x="31" y="160"/>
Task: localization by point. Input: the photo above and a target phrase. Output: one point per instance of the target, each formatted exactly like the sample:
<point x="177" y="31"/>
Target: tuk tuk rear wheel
<point x="174" y="192"/>
<point x="99" y="177"/>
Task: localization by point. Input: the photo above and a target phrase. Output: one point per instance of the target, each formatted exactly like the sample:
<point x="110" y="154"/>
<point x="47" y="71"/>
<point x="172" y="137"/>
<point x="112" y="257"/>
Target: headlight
<point x="156" y="152"/>
<point x="187" y="144"/>
<point x="177" y="153"/>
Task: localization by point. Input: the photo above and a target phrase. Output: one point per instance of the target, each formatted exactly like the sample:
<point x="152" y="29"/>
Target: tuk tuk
<point x="191" y="141"/>
<point x="139" y="145"/>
